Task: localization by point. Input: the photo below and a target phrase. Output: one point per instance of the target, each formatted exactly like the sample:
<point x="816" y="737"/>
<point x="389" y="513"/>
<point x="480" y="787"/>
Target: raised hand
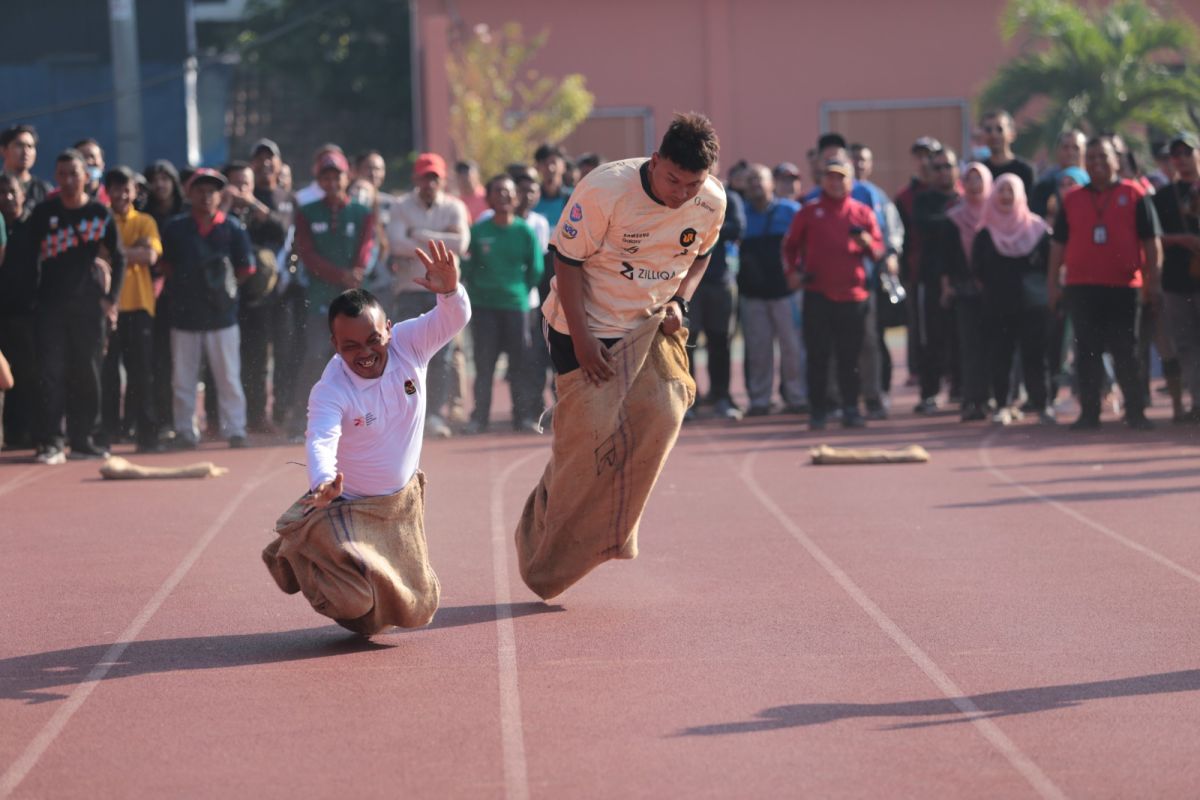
<point x="441" y="273"/>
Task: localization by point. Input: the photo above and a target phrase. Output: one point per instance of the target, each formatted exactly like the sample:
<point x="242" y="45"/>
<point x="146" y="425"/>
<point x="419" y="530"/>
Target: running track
<point x="1018" y="618"/>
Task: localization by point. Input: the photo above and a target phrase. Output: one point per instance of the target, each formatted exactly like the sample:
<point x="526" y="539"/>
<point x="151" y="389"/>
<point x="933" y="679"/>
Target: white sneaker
<point x="51" y="456"/>
<point x="436" y="427"/>
<point x="1003" y="417"/>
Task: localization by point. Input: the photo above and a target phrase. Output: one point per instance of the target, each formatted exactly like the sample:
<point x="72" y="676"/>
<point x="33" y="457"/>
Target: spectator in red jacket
<point x="823" y="254"/>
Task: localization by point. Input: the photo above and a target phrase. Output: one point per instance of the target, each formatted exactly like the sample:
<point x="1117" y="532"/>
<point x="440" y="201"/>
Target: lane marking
<point x="25" y="478"/>
<point x="20" y="768"/>
<point x="976" y="716"/>
<point x="985" y="458"/>
<point x="512" y="735"/>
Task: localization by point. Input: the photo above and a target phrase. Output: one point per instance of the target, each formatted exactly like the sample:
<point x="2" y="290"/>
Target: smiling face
<point x="672" y="184"/>
<point x="362" y="341"/>
<point x="1005" y="198"/>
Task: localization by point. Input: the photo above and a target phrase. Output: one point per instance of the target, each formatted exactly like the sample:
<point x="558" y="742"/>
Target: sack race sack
<point x="610" y="444"/>
<point x="362" y="563"/>
<point x="824" y="454"/>
<point x="116" y="468"/>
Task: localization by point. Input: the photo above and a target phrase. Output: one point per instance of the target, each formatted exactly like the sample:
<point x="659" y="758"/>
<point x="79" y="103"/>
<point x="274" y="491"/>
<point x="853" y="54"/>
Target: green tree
<point x="1113" y="69"/>
<point x="501" y="110"/>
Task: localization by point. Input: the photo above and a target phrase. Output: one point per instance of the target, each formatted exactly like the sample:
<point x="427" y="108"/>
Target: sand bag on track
<point x="610" y="444"/>
<point x="913" y="454"/>
<point x="116" y="468"/>
<point x="362" y="563"/>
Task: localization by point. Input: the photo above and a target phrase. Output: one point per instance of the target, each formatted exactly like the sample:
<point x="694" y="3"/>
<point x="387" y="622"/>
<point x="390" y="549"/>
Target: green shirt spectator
<point x="504" y="262"/>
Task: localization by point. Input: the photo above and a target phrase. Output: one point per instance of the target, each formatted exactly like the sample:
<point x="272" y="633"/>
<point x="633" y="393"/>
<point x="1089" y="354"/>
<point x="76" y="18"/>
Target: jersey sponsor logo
<point x="633" y="238"/>
<point x="630" y="272"/>
<point x="576" y="213"/>
<point x="700" y="201"/>
<point x="320" y="227"/>
<point x="410" y="387"/>
<point x="569" y="231"/>
<point x="631" y="249"/>
<point x="688" y="237"/>
<point x="365" y="421"/>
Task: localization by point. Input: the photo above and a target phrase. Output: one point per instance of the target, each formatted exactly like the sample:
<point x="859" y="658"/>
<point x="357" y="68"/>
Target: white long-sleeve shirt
<point x="411" y="224"/>
<point x="370" y="430"/>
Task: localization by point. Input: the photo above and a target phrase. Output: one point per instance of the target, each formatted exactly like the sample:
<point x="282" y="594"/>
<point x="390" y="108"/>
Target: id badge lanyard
<point x="1100" y="231"/>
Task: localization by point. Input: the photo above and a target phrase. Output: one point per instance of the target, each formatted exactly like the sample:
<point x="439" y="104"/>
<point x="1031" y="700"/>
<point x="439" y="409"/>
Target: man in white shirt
<point x="366" y="413"/>
<point x="425" y="213"/>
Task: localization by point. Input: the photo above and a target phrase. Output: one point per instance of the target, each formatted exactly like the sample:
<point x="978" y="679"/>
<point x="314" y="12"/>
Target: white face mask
<point x="94" y="174"/>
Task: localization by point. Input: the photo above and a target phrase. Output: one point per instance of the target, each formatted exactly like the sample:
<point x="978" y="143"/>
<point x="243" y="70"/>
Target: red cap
<point x="427" y="163"/>
<point x="333" y="160"/>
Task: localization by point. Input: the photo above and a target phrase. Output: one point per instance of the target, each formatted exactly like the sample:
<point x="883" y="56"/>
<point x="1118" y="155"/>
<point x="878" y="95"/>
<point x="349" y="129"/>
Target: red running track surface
<point x="1017" y="618"/>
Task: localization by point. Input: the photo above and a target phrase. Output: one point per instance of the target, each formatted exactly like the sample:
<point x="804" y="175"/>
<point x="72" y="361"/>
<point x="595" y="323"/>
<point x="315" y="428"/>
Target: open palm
<point x="441" y="273"/>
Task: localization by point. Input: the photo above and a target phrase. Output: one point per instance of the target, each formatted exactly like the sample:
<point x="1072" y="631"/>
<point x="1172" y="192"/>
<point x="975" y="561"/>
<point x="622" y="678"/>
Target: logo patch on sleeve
<point x="576" y="213"/>
<point x="568" y="231"/>
<point x="688" y="237"/>
<point x="410" y="387"/>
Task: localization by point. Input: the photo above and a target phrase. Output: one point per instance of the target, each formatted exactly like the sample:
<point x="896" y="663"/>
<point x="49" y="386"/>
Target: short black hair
<point x="352" y="303"/>
<point x="118" y="176"/>
<point x="71" y="154"/>
<point x="464" y="167"/>
<point x="234" y="166"/>
<point x="364" y="155"/>
<point x="85" y="142"/>
<point x="592" y="160"/>
<point x="1000" y="114"/>
<point x="503" y="176"/>
<point x="691" y="142"/>
<point x="10" y="134"/>
<point x="831" y="140"/>
<point x="547" y="151"/>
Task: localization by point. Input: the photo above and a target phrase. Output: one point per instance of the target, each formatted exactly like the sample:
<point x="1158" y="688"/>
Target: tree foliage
<point x="1112" y="69"/>
<point x="501" y="109"/>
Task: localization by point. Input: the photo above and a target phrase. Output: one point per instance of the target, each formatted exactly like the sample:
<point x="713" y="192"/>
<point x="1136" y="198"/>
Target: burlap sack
<point x="610" y="444"/>
<point x="363" y="563"/>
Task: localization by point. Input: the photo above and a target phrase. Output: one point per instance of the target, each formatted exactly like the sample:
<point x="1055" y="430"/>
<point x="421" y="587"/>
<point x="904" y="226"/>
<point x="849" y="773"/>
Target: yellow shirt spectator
<point x="138" y="292"/>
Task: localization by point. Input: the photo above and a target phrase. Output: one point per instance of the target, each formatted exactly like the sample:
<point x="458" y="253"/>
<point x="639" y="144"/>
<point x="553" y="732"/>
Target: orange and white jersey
<point x="634" y="250"/>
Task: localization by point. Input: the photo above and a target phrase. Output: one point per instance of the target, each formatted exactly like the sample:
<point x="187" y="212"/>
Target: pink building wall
<point x="761" y="69"/>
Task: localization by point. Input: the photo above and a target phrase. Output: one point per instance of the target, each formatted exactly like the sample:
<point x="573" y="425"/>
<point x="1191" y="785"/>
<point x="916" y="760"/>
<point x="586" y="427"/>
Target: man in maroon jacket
<point x="823" y="254"/>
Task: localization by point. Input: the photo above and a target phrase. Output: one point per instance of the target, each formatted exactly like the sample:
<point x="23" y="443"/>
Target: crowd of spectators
<point x="125" y="296"/>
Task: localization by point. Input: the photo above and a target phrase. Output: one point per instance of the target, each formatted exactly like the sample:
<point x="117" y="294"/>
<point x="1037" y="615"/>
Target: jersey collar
<point x="644" y="171"/>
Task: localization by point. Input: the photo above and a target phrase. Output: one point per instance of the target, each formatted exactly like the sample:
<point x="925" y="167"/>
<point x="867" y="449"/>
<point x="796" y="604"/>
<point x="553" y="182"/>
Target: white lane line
<point x="20" y="768"/>
<point x="985" y="458"/>
<point x="512" y="734"/>
<point x="988" y="729"/>
<point x="25" y="478"/>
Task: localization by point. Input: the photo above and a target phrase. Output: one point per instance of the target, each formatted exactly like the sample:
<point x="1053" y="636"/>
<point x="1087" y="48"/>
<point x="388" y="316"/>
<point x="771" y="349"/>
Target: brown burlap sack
<point x="610" y="444"/>
<point x="363" y="563"/>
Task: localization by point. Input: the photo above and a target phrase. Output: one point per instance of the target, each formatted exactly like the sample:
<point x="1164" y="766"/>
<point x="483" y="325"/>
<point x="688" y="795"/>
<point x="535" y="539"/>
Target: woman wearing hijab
<point x="1009" y="255"/>
<point x="961" y="287"/>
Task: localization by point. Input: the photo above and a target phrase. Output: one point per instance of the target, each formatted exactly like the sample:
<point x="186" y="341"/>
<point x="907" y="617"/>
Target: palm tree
<point x="1104" y="70"/>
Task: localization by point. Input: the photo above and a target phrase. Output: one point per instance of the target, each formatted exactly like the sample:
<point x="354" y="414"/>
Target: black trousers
<point x="972" y="349"/>
<point x="832" y="328"/>
<point x="711" y="313"/>
<point x="17" y="342"/>
<point x="70" y="342"/>
<point x="1028" y="330"/>
<point x="495" y="331"/>
<point x="936" y="330"/>
<point x="562" y="351"/>
<point x="133" y="345"/>
<point x="287" y="344"/>
<point x="1105" y="318"/>
<point x="254" y="323"/>
<point x="164" y="398"/>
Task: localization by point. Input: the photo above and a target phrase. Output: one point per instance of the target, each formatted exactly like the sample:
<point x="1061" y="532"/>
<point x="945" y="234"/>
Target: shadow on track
<point x="45" y="677"/>
<point x="993" y="704"/>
